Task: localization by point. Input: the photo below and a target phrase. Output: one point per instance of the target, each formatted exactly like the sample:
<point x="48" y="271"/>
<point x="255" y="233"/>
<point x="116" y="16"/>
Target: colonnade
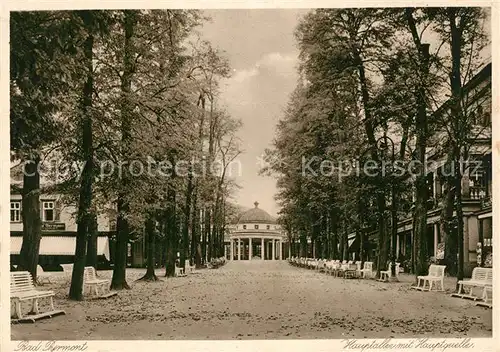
<point x="267" y="249"/>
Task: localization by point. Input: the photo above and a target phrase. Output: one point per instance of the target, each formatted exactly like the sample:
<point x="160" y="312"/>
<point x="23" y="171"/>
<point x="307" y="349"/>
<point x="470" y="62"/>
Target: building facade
<point x="477" y="183"/>
<point x="477" y="186"/>
<point x="256" y="236"/>
<point x="58" y="242"/>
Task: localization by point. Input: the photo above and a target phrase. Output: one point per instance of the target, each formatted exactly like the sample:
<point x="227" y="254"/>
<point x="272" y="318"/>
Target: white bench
<point x="190" y="269"/>
<point x="67" y="270"/>
<point x="179" y="272"/>
<point x="22" y="289"/>
<point x="367" y="270"/>
<point x="436" y="274"/>
<point x="350" y="270"/>
<point x="481" y="277"/>
<point x="337" y="267"/>
<point x="487" y="299"/>
<point x="321" y="265"/>
<point x="358" y="268"/>
<point x="91" y="282"/>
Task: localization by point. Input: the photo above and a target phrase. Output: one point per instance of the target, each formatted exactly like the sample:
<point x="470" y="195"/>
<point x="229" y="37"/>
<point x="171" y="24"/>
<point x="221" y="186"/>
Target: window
<point x="15" y="211"/>
<point x="244" y="227"/>
<point x="256" y="227"/>
<point x="48" y="211"/>
<point x="268" y="227"/>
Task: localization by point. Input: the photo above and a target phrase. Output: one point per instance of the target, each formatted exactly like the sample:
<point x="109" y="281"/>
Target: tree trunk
<point x="119" y="280"/>
<point x="420" y="254"/>
<point x="195" y="234"/>
<point x="334" y="229"/>
<point x="394" y="228"/>
<point x="342" y="237"/>
<point x="460" y="222"/>
<point x="449" y="234"/>
<point x="32" y="223"/>
<point x="85" y="201"/>
<point x="172" y="240"/>
<point x="92" y="241"/>
<point x="458" y="125"/>
<point x="151" y="237"/>
<point x="303" y="244"/>
<point x="370" y="133"/>
<point x="324" y="235"/>
<point x="360" y="235"/>
<point x="208" y="235"/>
<point x="187" y="219"/>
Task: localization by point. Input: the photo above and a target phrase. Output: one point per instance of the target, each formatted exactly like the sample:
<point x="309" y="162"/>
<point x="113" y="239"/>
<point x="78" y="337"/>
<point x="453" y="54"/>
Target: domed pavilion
<point x="256" y="236"/>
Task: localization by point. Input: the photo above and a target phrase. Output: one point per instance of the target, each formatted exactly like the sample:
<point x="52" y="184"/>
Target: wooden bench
<point x="436" y="274"/>
<point x="22" y="289"/>
<point x="481" y="277"/>
<point x="91" y="282"/>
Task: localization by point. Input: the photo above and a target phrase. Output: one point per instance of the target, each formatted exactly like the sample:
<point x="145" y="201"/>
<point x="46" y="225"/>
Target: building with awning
<point x="58" y="228"/>
<point x="60" y="246"/>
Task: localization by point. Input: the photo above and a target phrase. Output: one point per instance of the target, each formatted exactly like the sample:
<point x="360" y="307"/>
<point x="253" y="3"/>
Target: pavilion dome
<point x="256" y="215"/>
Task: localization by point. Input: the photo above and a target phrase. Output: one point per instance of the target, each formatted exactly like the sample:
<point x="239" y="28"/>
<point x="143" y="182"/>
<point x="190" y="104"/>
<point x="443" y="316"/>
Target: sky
<point x="262" y="52"/>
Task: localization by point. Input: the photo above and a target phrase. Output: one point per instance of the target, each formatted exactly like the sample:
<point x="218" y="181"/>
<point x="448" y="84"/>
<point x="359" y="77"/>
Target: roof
<point x="256" y="215"/>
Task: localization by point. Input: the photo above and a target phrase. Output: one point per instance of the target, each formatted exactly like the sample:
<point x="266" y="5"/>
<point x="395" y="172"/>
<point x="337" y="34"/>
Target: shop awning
<point x="484" y="216"/>
<point x="55" y="245"/>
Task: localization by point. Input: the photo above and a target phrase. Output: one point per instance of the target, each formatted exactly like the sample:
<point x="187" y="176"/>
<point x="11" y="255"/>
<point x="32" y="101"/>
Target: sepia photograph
<point x="251" y="174"/>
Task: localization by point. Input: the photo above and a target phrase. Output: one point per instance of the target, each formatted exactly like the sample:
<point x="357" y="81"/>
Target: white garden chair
<point x="367" y="270"/>
<point x="386" y="274"/>
<point x="100" y="287"/>
<point x="436" y="274"/>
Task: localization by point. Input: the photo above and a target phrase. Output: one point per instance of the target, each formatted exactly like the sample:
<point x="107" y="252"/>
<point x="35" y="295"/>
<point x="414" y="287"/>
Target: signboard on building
<point x="53" y="226"/>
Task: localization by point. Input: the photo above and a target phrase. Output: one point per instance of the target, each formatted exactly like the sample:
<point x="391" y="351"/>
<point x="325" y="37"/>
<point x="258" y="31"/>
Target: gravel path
<point x="260" y="300"/>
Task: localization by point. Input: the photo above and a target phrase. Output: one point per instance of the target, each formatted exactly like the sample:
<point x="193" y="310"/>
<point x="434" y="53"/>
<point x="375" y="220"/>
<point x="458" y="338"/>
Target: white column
<point x="281" y="250"/>
<point x="397" y="246"/>
<point x="239" y="249"/>
<point x="231" y="244"/>
<point x="262" y="249"/>
<point x="434" y="185"/>
<point x="467" y="245"/>
<point x="250" y="248"/>
<point x="435" y="239"/>
<point x="274" y="249"/>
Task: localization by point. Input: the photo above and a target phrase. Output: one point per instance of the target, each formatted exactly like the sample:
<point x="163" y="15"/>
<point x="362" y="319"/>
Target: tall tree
<point x="84" y="217"/>
<point x="37" y="86"/>
<point x="118" y="280"/>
